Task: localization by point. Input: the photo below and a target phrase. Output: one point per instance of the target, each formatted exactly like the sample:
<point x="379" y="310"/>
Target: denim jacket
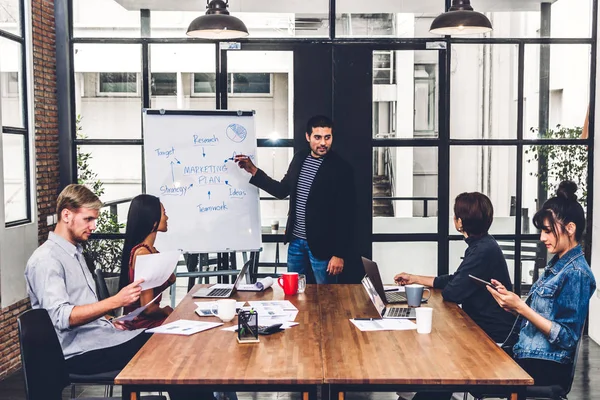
<point x="562" y="296"/>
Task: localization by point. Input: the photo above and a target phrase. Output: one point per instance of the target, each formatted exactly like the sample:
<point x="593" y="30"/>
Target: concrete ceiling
<point x="342" y="6"/>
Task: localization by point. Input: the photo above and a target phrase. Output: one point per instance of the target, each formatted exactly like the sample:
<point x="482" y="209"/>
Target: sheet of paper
<point x="155" y="269"/>
<point x="136" y="312"/>
<point x="184" y="327"/>
<point x="384" y="325"/>
<point x="284" y="304"/>
<point x="205" y="307"/>
<point x="394" y="288"/>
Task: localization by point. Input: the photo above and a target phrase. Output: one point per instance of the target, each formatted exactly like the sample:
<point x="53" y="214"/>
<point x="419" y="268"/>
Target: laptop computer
<point x="222" y="290"/>
<point x="372" y="271"/>
<point x="386" y="312"/>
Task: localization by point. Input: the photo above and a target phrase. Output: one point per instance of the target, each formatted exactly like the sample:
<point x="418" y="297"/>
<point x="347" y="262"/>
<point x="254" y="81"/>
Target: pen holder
<point x="247" y="326"/>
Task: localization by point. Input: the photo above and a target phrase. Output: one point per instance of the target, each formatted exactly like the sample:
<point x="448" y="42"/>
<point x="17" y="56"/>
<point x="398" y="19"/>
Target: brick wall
<point x="46" y="161"/>
<point x="46" y="115"/>
<point x="10" y="357"/>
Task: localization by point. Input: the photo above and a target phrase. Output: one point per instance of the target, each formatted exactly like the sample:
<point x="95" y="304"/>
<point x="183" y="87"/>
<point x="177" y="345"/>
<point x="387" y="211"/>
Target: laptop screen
<point x="238" y="280"/>
<point x="373" y="295"/>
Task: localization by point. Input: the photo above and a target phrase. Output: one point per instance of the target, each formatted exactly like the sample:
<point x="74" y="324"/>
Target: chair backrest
<point x="101" y="288"/>
<point x="44" y="365"/>
<point x="575" y="357"/>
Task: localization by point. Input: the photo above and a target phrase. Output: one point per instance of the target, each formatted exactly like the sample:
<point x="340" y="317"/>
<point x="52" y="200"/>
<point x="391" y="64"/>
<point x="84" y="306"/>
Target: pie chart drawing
<point x="236" y="133"/>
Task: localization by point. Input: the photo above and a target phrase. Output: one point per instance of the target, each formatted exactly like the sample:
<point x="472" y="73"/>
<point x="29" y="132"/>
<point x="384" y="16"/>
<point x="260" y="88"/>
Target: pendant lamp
<point x="217" y="23"/>
<point x="460" y="20"/>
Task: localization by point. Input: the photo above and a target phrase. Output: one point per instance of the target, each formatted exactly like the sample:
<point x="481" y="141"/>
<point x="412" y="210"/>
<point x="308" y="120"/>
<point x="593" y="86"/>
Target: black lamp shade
<point x="217" y="24"/>
<point x="460" y="20"/>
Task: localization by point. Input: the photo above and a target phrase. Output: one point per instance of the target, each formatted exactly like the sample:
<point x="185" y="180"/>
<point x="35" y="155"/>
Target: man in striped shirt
<point x="320" y="222"/>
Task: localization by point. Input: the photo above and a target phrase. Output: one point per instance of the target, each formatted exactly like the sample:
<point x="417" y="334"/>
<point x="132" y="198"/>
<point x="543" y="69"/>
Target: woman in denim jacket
<point x="551" y="319"/>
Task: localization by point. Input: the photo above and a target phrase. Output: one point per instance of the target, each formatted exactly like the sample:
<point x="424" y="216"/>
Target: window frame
<point x="24" y="41"/>
<point x="339" y="47"/>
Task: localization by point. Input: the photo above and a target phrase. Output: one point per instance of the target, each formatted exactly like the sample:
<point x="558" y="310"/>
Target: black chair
<point x="555" y="392"/>
<point x="552" y="392"/>
<point x="44" y="366"/>
<point x="101" y="288"/>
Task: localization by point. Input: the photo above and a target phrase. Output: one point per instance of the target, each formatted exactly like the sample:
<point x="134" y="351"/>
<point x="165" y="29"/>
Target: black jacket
<point x="329" y="207"/>
<point x="483" y="259"/>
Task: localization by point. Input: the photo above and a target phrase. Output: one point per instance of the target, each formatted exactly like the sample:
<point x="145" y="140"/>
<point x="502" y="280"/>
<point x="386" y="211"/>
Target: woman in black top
<point x="473" y="216"/>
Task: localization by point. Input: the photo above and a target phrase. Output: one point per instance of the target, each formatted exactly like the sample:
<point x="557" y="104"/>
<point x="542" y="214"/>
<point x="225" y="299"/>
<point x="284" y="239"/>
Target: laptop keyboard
<point x="218" y="292"/>
<point x="397" y="312"/>
<point x="395" y="297"/>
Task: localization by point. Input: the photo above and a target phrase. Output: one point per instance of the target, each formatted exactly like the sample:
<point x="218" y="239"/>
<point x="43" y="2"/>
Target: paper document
<point x="284" y="304"/>
<point x="205" y="308"/>
<point x="136" y="312"/>
<point x="274" y="312"/>
<point x="184" y="327"/>
<point x="259" y="286"/>
<point x="394" y="288"/>
<point x="155" y="269"/>
<point x="384" y="325"/>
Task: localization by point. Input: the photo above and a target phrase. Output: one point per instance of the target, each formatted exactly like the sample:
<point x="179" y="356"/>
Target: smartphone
<point x="482" y="281"/>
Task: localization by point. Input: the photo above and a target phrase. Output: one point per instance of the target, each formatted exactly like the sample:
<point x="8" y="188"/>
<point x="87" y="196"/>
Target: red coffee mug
<point x="290" y="283"/>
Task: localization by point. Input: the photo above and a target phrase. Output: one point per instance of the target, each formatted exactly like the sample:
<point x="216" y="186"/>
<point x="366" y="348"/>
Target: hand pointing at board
<point x="246" y="163"/>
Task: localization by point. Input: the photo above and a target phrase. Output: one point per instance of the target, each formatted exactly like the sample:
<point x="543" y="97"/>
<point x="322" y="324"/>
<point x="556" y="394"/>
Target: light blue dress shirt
<point x="58" y="280"/>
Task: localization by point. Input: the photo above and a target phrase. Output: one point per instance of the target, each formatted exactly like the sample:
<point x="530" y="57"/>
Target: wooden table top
<point x="215" y="357"/>
<point x="456" y="352"/>
<point x="326" y="348"/>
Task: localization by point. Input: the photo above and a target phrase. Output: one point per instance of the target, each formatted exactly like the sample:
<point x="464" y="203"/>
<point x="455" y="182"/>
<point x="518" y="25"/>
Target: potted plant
<point x="100" y="253"/>
<point x="563" y="162"/>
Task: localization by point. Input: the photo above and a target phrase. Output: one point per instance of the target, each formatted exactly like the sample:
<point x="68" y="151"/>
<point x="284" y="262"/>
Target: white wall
<point x="594" y="322"/>
<point x="17" y="244"/>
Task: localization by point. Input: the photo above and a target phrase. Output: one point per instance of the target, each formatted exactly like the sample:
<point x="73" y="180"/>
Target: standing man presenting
<point x="320" y="222"/>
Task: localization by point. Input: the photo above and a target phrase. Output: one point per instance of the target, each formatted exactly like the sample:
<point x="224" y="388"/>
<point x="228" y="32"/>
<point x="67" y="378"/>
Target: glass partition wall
<point x="422" y="117"/>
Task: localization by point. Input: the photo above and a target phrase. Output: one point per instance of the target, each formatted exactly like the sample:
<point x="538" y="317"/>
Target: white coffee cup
<point x="424" y="319"/>
<point x="225" y="309"/>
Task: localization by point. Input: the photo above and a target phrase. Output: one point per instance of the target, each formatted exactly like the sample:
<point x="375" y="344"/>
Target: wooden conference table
<point x="326" y="349"/>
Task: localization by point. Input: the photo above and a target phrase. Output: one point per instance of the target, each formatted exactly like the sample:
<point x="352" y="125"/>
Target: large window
<point x="503" y="95"/>
<point x="13" y="120"/>
<point x="498" y="113"/>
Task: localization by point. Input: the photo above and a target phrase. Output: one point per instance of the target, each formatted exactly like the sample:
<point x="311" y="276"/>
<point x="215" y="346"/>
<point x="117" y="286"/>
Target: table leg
<point x="129" y="394"/>
<point x="514" y="396"/>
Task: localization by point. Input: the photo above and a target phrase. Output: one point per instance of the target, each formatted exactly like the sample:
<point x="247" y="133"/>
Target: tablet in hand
<point x="481" y="281"/>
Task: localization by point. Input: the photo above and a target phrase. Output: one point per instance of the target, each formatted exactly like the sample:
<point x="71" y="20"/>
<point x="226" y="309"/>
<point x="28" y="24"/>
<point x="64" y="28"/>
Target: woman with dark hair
<point x="473" y="216"/>
<point x="551" y="319"/>
<point x="145" y="219"/>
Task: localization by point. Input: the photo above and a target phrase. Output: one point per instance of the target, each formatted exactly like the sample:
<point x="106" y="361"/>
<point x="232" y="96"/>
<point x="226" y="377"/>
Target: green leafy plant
<point x="564" y="162"/>
<point x="99" y="253"/>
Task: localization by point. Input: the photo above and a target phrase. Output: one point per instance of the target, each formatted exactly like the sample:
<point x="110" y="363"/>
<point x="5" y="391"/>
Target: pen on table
<point x="367" y="319"/>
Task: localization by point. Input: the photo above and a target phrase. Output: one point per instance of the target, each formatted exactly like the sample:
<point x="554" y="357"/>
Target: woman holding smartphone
<point x="550" y="320"/>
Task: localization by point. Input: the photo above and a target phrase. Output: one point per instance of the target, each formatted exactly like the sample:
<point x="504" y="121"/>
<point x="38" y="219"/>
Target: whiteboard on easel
<point x="189" y="165"/>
